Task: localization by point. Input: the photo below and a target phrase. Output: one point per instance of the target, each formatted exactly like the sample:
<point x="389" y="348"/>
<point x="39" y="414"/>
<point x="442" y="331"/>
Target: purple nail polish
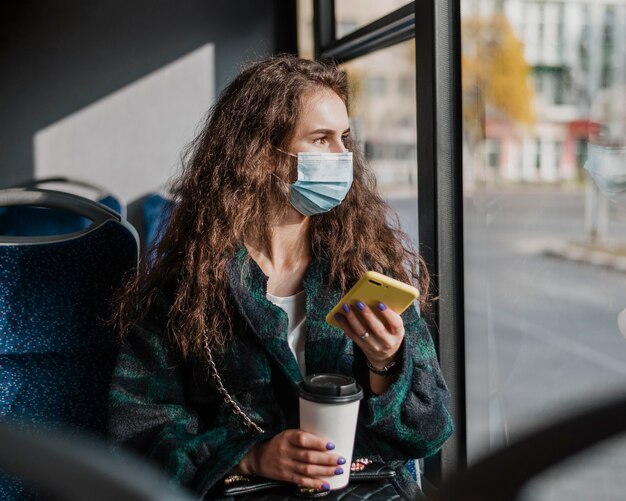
<point x="341" y="461"/>
<point x="337" y="316"/>
<point x="339" y="471"/>
<point x="330" y="446"/>
<point x="345" y="308"/>
<point x="360" y="305"/>
<point x="326" y="486"/>
<point x="381" y="306"/>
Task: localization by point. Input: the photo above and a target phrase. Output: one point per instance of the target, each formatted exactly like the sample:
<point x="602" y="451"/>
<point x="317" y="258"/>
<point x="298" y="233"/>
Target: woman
<point x="249" y="266"/>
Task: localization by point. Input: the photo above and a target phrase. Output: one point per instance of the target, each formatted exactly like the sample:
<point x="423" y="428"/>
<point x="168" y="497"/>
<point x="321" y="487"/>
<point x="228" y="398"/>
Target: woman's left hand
<point x="379" y="335"/>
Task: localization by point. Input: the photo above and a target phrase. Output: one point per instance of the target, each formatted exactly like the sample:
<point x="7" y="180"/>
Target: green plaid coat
<point x="168" y="410"/>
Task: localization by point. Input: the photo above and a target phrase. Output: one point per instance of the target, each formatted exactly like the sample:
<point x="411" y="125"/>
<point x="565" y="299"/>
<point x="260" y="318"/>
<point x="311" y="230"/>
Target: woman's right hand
<point x="294" y="456"/>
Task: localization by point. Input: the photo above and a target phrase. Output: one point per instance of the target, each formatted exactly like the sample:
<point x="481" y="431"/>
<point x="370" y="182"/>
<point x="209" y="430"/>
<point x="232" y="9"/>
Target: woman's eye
<point x="345" y="139"/>
<point x="320" y="140"/>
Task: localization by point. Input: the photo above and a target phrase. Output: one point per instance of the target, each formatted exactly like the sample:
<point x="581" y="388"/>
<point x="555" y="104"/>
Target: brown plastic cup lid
<point x="330" y="389"/>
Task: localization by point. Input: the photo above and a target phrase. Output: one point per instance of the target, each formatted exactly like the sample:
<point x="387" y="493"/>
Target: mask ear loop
<point x="285" y="190"/>
<point x="282" y="181"/>
<point x="285" y="152"/>
<point x="283" y="185"/>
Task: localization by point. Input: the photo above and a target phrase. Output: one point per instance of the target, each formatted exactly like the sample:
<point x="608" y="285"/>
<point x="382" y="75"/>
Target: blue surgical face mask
<point x="324" y="180"/>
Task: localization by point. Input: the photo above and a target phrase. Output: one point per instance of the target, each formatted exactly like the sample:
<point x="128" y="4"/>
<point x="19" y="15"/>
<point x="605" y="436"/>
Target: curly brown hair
<point x="232" y="171"/>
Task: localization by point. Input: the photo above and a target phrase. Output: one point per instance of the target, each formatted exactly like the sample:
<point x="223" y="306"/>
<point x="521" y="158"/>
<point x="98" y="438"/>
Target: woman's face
<point x="323" y="126"/>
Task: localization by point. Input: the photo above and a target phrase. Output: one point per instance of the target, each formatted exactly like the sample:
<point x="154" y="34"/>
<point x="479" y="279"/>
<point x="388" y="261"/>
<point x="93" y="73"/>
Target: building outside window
<point x="376" y="86"/>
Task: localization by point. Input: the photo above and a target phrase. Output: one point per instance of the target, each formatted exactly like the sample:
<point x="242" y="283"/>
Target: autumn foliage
<point x="496" y="76"/>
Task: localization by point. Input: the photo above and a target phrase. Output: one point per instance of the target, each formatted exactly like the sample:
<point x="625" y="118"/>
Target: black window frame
<point x="436" y="27"/>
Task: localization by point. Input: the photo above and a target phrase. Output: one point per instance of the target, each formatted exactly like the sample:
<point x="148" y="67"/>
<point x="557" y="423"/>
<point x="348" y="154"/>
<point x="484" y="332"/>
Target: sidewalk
<point x="607" y="256"/>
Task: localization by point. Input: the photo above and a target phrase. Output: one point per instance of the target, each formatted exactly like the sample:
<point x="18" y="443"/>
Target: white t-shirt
<point x="295" y="307"/>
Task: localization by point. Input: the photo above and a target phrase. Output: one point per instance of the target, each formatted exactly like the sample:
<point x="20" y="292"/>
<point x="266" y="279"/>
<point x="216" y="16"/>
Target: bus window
<point x="384" y="122"/>
<point x="544" y="174"/>
<point x="351" y="15"/>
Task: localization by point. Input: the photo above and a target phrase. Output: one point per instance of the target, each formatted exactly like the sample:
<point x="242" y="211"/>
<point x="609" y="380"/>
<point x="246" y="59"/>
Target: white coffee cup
<point x="329" y="408"/>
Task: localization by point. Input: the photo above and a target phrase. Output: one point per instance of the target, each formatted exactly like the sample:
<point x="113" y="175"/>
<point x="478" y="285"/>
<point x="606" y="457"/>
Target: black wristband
<point x="390" y="369"/>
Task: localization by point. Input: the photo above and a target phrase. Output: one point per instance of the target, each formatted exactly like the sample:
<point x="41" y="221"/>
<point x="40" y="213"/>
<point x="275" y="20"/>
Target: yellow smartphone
<point x="373" y="288"/>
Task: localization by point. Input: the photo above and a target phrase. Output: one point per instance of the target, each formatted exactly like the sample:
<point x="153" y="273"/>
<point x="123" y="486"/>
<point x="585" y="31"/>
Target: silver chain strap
<point x="228" y="400"/>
